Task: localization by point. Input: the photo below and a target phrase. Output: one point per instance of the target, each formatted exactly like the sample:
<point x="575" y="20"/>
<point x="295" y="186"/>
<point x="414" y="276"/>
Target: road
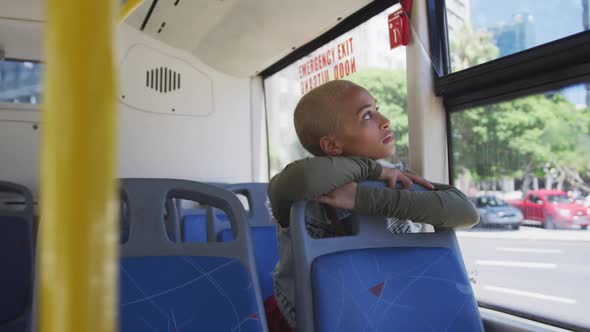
<point x="546" y="272"/>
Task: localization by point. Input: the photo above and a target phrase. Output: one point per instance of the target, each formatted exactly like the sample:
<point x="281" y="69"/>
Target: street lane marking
<point x="535" y="250"/>
<point x="530" y="294"/>
<point x="527" y="233"/>
<point x="530" y="265"/>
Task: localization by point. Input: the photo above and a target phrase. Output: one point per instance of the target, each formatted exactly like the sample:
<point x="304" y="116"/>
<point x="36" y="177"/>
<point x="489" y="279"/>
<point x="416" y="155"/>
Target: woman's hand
<point x="343" y="197"/>
<point x="392" y="175"/>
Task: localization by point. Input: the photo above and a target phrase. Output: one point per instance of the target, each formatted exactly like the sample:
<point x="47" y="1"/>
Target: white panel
<point x="21" y="39"/>
<point x="154" y="81"/>
<point x="19" y="148"/>
<point x="213" y="148"/>
<point x="23" y="9"/>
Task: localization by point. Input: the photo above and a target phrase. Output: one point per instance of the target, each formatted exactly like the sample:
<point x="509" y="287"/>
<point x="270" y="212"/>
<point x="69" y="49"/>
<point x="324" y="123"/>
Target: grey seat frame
<point x="146" y="199"/>
<point x="370" y="233"/>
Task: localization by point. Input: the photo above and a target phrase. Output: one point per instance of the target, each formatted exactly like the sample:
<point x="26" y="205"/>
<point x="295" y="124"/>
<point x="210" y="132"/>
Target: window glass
<point x="362" y="55"/>
<point x="483" y="30"/>
<point x="528" y="256"/>
<point x="20" y="82"/>
<point x="490" y="201"/>
<point x="557" y="199"/>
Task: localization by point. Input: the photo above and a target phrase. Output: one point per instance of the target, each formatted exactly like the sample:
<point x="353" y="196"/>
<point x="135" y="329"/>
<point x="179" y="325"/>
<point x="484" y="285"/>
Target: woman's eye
<point x="368" y="115"/>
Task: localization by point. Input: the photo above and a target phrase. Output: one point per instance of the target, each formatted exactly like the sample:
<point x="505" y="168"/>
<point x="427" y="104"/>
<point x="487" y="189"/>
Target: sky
<point x="553" y="19"/>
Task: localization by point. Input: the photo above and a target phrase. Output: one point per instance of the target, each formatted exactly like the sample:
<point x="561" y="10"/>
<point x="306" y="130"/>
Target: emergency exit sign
<point x="399" y="33"/>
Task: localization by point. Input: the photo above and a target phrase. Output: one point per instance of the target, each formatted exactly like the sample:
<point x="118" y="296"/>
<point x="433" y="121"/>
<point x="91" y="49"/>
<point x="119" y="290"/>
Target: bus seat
<point x="195" y="226"/>
<point x="16" y="258"/>
<point x="217" y="221"/>
<point x="378" y="281"/>
<point x="177" y="286"/>
<point x="194" y="220"/>
<point x="264" y="234"/>
<point x="266" y="252"/>
<point x="256" y="194"/>
<point x="171" y="218"/>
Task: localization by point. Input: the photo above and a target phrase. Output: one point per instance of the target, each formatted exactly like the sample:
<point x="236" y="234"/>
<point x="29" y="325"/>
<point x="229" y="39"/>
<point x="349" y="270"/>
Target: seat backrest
<point x="169" y="285"/>
<point x="194" y="226"/>
<point x="193" y="222"/>
<point x="264" y="234"/>
<point x="378" y="281"/>
<point x="257" y="214"/>
<point x="266" y="252"/>
<point x="216" y="221"/>
<point x="16" y="259"/>
<point x="256" y="193"/>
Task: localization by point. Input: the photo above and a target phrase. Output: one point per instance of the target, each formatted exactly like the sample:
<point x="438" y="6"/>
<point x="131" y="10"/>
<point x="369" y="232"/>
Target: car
<point x="495" y="212"/>
<point x="553" y="209"/>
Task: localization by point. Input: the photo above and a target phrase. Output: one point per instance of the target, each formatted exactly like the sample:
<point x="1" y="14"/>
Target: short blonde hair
<point x="315" y="115"/>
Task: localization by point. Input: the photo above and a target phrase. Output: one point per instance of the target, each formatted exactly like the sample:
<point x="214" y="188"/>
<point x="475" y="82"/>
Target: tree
<point x="389" y="88"/>
<point x="519" y="138"/>
<point x="541" y="135"/>
<point x="470" y="48"/>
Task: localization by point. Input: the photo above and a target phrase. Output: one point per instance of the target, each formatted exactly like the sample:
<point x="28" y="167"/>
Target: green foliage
<point x="506" y="139"/>
<point x="390" y="90"/>
<point x="500" y="140"/>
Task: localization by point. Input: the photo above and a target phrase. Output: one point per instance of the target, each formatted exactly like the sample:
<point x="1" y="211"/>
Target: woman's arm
<point x="445" y="206"/>
<point x="312" y="177"/>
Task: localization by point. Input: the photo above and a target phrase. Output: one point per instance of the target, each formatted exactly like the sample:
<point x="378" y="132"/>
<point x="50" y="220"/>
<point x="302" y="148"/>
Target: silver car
<point x="494" y="212"/>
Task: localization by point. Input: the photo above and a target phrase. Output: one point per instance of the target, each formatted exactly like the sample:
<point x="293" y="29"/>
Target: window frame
<point x="549" y="66"/>
<point x="347" y="24"/>
<point x="361" y="16"/>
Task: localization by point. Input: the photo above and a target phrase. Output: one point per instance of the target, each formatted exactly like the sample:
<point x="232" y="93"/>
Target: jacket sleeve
<point x="312" y="177"/>
<point x="445" y="206"/>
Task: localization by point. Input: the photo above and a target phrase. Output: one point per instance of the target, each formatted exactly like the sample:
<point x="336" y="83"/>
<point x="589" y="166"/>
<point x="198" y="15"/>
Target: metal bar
<point x="78" y="237"/>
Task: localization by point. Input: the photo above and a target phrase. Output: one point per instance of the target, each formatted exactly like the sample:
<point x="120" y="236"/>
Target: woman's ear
<point x="330" y="146"/>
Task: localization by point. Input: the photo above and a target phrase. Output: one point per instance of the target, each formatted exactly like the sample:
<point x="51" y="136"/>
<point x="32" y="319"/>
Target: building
<point x="458" y="14"/>
<point x="515" y="36"/>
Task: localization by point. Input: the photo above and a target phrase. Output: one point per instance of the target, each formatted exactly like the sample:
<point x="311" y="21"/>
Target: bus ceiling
<point x="237" y="37"/>
<point x="240" y="37"/>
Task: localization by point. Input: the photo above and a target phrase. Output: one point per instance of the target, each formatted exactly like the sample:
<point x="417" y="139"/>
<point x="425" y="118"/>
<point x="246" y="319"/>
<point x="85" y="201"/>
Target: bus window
<point x="20" y="82"/>
<point x="494" y="29"/>
<point x="528" y="151"/>
<point x="361" y="55"/>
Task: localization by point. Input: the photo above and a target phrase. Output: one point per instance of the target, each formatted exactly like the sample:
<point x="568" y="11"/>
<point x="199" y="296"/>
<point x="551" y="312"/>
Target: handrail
<point x="129" y="7"/>
<point x="77" y="266"/>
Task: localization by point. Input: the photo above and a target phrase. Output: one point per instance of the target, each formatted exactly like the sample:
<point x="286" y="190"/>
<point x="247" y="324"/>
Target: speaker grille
<point x="162" y="79"/>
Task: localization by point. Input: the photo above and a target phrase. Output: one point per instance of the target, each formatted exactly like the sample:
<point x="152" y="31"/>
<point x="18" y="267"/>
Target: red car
<point x="553" y="209"/>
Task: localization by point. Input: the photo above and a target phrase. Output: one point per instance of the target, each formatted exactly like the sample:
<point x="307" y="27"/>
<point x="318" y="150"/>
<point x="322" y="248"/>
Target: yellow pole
<point x="78" y="241"/>
<point x="128" y="8"/>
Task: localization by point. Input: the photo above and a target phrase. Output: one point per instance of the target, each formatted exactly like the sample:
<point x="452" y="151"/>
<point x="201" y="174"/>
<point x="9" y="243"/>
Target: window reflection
<point x="20" y="82"/>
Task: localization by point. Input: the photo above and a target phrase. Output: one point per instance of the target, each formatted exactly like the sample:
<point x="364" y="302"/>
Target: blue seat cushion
<point x="266" y="252"/>
<point x="393" y="289"/>
<point x="16" y="261"/>
<point x="195" y="228"/>
<point x="179" y="293"/>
